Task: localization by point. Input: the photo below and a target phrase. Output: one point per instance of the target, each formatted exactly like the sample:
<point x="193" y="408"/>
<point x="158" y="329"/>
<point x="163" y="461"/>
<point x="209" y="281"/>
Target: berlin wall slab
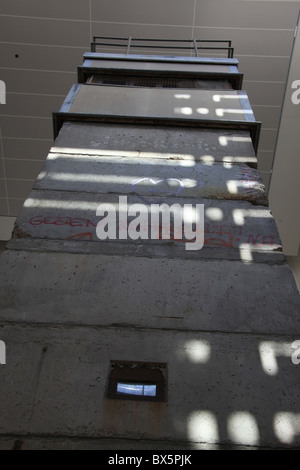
<point x="125" y="175"/>
<point x="203" y="145"/>
<point x="55" y="384"/>
<point x="211" y="105"/>
<point x="228" y="225"/>
<point x="111" y="290"/>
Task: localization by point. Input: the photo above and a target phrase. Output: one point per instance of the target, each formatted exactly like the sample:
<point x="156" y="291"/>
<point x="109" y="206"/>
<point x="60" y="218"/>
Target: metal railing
<point x="146" y="43"/>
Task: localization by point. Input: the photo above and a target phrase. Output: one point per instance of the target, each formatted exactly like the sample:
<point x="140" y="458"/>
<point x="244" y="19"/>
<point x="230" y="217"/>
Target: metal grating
<point x="156" y="82"/>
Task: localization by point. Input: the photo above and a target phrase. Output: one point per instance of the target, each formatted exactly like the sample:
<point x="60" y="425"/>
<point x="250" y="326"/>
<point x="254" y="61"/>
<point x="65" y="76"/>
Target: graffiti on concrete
<point x="228" y="236"/>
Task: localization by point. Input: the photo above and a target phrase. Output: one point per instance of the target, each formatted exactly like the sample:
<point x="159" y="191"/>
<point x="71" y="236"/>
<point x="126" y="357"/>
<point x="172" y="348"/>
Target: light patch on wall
<point x="232" y="186"/>
<point x="221" y="111"/>
<point x="286" y="426"/>
<point x="182" y="96"/>
<point x="207" y="160"/>
<point x="239" y="215"/>
<point x="218" y="98"/>
<point x="223" y="140"/>
<point x="246" y="253"/>
<point x="202" y="110"/>
<point x="197" y="351"/>
<point x="203" y="427"/>
<point x="184" y="110"/>
<point x="269" y="351"/>
<point x="242" y="428"/>
<point x="214" y="213"/>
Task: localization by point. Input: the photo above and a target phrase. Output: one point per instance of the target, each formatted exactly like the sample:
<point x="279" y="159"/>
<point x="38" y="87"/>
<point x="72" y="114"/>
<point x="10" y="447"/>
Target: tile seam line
<point x="230" y="28"/>
<point x="264" y="81"/>
<point x="13" y="199"/>
<point x="34" y="94"/>
<point x="169" y="25"/>
<point x="266" y="106"/>
<point x="79" y="20"/>
<point x="57" y="325"/>
<point x="27" y="138"/>
<point x="144" y="24"/>
<point x="96" y="438"/>
<point x="37" y="70"/>
<point x="85" y="49"/>
<point x="194" y="16"/>
<point x="24" y="159"/>
<point x="26" y="117"/>
<point x="19" y="179"/>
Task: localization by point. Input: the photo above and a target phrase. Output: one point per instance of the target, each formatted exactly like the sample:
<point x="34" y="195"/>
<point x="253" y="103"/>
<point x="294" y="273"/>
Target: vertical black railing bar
<point x="128" y="45"/>
<point x="195" y="47"/>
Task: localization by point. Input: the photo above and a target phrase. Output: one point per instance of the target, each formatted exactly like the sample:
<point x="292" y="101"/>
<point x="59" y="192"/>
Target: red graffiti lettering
<point x="80" y="236"/>
<point x="71" y="221"/>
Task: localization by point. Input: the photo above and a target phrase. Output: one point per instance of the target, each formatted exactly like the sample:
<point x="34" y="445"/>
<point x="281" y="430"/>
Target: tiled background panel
<point x="44" y="31"/>
<point x="2" y="169"/>
<point x="68" y="9"/>
<point x="268" y="115"/>
<point x="3" y="207"/>
<point x="30" y="105"/>
<point x="15" y="205"/>
<point x="23" y="169"/>
<point x="19" y="188"/>
<point x="141" y="31"/>
<point x="245" y="41"/>
<point x="265" y="93"/>
<point x="266" y="68"/>
<point x="37" y="82"/>
<point x="246" y="13"/>
<point x="267" y="139"/>
<point x="26" y="127"/>
<point x="265" y="160"/>
<point x="40" y="57"/>
<point x="164" y="12"/>
<point x="3" y="193"/>
<point x="30" y="149"/>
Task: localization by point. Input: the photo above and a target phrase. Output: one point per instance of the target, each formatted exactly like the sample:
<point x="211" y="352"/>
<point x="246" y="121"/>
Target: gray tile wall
<point x="41" y="45"/>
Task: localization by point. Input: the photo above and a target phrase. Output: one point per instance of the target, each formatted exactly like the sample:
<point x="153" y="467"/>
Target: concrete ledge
<point x="228" y="224"/>
<point x="161" y="177"/>
<point x="157" y="58"/>
<point x="142" y="141"/>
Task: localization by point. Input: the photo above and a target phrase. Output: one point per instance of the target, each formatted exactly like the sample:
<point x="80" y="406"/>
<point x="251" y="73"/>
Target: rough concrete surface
<point x="216" y="295"/>
<point x="223" y="321"/>
<point x="124" y="175"/>
<point x="163" y="103"/>
<point x="234" y="389"/>
<point x="204" y="145"/>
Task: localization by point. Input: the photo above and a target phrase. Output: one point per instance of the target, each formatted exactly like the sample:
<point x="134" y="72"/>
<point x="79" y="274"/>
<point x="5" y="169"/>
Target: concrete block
<point x="211" y="105"/>
<point x="111" y="290"/>
<point x="232" y="390"/>
<point x="127" y="140"/>
<point x="66" y="215"/>
<point x="125" y="175"/>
